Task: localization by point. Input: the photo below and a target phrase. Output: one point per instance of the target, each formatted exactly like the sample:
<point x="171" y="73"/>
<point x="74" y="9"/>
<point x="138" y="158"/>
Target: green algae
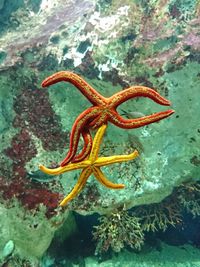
<point x="165" y="43"/>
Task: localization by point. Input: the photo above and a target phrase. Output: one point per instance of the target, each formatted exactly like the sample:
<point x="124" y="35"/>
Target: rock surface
<point x="112" y="45"/>
<point x="168" y="256"/>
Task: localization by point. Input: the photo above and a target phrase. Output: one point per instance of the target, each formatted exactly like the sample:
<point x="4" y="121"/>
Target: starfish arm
<point x="103" y="161"/>
<point x="78" y="187"/>
<point x="60" y="170"/>
<point x="79" y="125"/>
<point x="87" y="138"/>
<point x="90" y="93"/>
<point x="96" y="143"/>
<point x="119" y="121"/>
<point x="98" y="121"/>
<point x="137" y="91"/>
<point x="104" y="181"/>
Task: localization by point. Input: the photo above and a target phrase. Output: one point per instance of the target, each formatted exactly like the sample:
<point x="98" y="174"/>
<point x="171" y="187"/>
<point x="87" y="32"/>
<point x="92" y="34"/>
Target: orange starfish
<point x="102" y="111"/>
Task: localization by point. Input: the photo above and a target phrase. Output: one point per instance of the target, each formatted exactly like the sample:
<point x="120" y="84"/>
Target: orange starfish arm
<point x="98" y="121"/>
<point x="88" y="91"/>
<point x="119" y="121"/>
<point x="137" y="91"/>
<point x="78" y="127"/>
<point x="87" y="138"/>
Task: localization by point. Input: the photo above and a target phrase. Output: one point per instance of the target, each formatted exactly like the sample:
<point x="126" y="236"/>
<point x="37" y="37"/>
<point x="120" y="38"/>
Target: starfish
<point x="91" y="165"/>
<point x="102" y="111"/>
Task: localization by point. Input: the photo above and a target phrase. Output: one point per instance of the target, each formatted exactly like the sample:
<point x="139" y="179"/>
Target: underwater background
<point x="155" y="219"/>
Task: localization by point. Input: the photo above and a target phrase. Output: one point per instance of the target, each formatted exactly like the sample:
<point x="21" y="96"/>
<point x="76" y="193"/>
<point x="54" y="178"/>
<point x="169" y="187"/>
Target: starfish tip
<point x="43" y="84"/>
<point x="41" y="167"/>
<point x="170" y="112"/>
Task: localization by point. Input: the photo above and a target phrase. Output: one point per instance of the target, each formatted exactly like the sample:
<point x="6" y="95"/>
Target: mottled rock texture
<point x="113" y="45"/>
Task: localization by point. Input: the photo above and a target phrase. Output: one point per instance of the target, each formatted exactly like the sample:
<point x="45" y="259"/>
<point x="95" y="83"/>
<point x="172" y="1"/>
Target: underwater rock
<point x="100" y="43"/>
<point x="113" y="45"/>
<point x="30" y="233"/>
<point x="49" y="18"/>
<point x="168" y="256"/>
<point x="8" y="249"/>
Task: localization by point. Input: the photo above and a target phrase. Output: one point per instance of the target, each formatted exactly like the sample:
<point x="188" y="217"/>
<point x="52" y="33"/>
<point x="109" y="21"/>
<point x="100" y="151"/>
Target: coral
<point x="118" y="230"/>
<point x="189" y="197"/>
<point x="22" y="150"/>
<point x="159" y="216"/>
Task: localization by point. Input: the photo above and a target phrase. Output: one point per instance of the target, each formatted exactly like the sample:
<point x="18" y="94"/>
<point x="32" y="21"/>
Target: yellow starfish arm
<point x="69" y="167"/>
<point x="103" y="161"/>
<point x="78" y="187"/>
<point x="104" y="181"/>
<point x="96" y="143"/>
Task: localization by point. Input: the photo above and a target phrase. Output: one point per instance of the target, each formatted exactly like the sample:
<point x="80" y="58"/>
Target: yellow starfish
<point x="89" y="166"/>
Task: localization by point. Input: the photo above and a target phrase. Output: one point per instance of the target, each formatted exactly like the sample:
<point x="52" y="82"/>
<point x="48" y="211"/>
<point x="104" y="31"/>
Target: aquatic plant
<point x="189" y="197"/>
<point x="117" y="230"/>
<point x="159" y="216"/>
<point x="122" y="228"/>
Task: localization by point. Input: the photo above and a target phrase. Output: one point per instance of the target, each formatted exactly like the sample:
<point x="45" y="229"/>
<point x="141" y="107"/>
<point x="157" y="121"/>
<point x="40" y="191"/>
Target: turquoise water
<point x="121" y="111"/>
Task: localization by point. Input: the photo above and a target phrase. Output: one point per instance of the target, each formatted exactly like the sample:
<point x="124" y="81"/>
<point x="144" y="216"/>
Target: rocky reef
<point x="113" y="45"/>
